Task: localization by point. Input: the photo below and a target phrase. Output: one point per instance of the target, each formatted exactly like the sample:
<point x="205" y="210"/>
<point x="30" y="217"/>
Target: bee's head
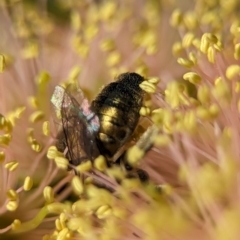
<point x="131" y="77"/>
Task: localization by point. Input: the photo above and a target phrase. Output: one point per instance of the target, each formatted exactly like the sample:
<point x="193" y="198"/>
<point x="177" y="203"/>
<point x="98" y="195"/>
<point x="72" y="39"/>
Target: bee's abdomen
<point x="117" y="107"/>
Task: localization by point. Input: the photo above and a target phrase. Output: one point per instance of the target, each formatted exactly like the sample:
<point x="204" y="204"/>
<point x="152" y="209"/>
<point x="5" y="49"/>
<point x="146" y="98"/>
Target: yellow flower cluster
<point x="191" y="117"/>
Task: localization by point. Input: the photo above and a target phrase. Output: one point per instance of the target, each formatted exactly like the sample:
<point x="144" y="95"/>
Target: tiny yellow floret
<point x="233" y="71"/>
<point x="28" y="183"/>
<point x="134" y="155"/>
<point x="36" y="147"/>
<point x="53" y="153"/>
<point x="185" y="62"/>
<point x="142" y="70"/>
<point x="192" y="77"/>
<point x="43" y="78"/>
<point x="61" y="162"/>
<point x="2" y="157"/>
<point x="74" y="223"/>
<point x="31" y="50"/>
<point x="148" y="87"/>
<point x="58" y="225"/>
<point x="203" y="113"/>
<point x="77" y="185"/>
<point x="16" y="224"/>
<point x="2" y="63"/>
<point x="214" y="110"/>
<point x="11" y="166"/>
<point x="48" y="194"/>
<point x="76" y="21"/>
<point x="84" y="166"/>
<point x="63" y="234"/>
<point x="177" y="48"/>
<point x="107" y="45"/>
<point x="162" y="140"/>
<point x="154" y="80"/>
<point x="176" y="18"/>
<point x="192" y="57"/>
<point x="237" y="51"/>
<point x="36" y="116"/>
<point x="187" y="40"/>
<point x="12" y="195"/>
<point x="130" y="184"/>
<point x="74" y="73"/>
<point x="113" y="58"/>
<point x="209" y="43"/>
<point x="144" y="111"/>
<point x="46" y="128"/>
<point x="5" y="139"/>
<point x="100" y="163"/>
<point x="108" y="10"/>
<point x="190" y="20"/>
<point x="91" y="31"/>
<point x="103" y="211"/>
<point x="211" y="54"/>
<point x="203" y="94"/>
<point x="33" y="102"/>
<point x="19" y="111"/>
<point x="115" y="173"/>
<point x="12" y="206"/>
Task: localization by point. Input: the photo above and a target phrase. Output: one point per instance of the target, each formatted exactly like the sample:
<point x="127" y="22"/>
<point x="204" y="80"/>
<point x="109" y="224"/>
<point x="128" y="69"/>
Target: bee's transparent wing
<point x="76" y="137"/>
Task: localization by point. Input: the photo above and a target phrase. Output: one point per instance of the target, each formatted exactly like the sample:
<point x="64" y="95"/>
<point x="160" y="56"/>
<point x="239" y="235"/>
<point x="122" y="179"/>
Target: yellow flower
<point x="193" y="48"/>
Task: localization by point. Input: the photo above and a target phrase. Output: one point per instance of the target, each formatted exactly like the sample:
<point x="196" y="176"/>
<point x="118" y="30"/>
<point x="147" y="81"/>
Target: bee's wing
<point x="76" y="137"/>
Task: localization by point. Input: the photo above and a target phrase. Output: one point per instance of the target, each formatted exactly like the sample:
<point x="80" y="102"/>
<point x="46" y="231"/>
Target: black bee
<point x="103" y="127"/>
<point x="117" y="107"/>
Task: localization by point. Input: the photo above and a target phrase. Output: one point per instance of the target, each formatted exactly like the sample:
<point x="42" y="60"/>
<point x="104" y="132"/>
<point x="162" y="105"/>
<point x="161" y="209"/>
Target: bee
<point x="117" y="107"/>
<point x="103" y="127"/>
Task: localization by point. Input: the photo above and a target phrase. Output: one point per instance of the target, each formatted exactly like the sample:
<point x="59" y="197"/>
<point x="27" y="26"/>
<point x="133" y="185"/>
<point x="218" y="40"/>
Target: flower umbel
<point x="195" y="109"/>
